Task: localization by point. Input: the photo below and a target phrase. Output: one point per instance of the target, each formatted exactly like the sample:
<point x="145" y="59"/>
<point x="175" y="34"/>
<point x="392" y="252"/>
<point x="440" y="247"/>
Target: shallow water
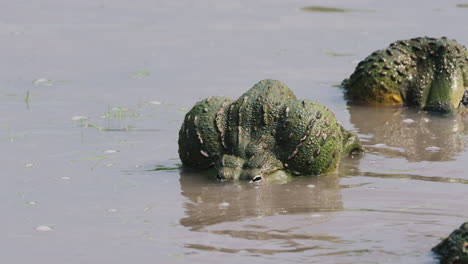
<point x="108" y="188"/>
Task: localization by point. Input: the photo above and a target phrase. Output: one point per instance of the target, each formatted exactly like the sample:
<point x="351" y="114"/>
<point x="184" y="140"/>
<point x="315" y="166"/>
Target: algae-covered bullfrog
<point x="426" y="72"/>
<point x="454" y="249"/>
<point x="266" y="130"/>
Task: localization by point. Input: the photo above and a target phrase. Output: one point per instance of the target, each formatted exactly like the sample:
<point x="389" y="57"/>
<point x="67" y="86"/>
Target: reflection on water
<point x="412" y="176"/>
<point x="211" y="202"/>
<point x="223" y="210"/>
<point x="351" y="167"/>
<point x="403" y="132"/>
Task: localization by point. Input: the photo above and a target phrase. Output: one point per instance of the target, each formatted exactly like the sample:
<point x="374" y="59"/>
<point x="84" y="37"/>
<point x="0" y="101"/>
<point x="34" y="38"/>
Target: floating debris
<point x="433" y="149"/>
<point x="408" y="121"/>
<point x="112" y="210"/>
<point x="109" y="151"/>
<point x="316" y="215"/>
<point x="65" y="178"/>
<point x="79" y="118"/>
<point x="311" y="186"/>
<point x="44" y="228"/>
<point x="100" y="128"/>
<point x="28" y="165"/>
<point x="43" y="81"/>
<point x="118" y="108"/>
<point x="380" y="145"/>
<point x="48" y="82"/>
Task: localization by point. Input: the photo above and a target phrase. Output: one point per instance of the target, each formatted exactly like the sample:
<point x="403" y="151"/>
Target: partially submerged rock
<point x="426" y="72"/>
<point x="266" y="131"/>
<point x="454" y="249"/>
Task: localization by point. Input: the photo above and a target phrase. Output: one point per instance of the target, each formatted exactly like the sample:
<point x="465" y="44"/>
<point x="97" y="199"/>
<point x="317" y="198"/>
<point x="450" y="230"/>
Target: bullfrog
<point x="454" y="249"/>
<point x="429" y="73"/>
<point x="265" y="133"/>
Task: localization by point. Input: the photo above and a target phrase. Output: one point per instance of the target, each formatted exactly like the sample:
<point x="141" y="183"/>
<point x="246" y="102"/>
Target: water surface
<point x="92" y="95"/>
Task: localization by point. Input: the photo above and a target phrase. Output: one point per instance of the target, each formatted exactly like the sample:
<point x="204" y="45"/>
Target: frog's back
<point x="426" y="72"/>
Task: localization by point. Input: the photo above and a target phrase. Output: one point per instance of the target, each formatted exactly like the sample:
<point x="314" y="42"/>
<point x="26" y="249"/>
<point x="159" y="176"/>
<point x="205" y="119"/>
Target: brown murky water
<point x="92" y="95"/>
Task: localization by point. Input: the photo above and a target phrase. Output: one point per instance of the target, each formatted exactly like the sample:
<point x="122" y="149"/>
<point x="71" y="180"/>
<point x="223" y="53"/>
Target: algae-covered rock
<point x="265" y="131"/>
<point x="454" y="249"/>
<point x="426" y="72"/>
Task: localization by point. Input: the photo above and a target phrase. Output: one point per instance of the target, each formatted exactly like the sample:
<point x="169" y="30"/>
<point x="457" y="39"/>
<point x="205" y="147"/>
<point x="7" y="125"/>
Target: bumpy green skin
<point x="426" y="72"/>
<point x="454" y="249"/>
<point x="262" y="132"/>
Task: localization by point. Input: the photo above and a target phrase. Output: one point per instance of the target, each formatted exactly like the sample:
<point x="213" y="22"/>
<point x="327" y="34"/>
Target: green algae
<point x="176" y="167"/>
<point x="140" y="74"/>
<point x="325" y="9"/>
<point x="96" y="157"/>
<point x="334" y="54"/>
<point x="26" y="99"/>
<point x="328" y="9"/>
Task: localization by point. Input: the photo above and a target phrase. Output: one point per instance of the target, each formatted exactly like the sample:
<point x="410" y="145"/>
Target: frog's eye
<point x="220" y="177"/>
<point x="257" y="179"/>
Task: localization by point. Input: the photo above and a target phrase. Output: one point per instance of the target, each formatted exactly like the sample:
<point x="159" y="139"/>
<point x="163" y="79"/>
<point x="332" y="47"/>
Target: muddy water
<point x="92" y="94"/>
